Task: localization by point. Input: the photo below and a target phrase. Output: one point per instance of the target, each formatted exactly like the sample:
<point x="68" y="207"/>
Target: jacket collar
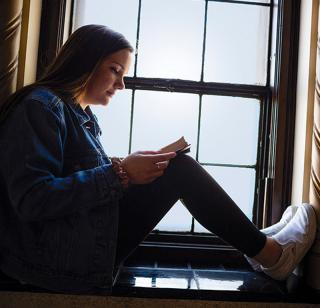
<point x="85" y="116"/>
<point x="82" y="116"/>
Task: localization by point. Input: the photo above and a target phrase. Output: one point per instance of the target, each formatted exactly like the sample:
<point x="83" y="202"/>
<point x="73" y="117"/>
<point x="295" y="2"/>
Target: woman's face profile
<point x="107" y="79"/>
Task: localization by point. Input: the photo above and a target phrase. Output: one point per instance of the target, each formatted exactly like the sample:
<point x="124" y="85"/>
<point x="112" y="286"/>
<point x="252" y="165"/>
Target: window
<point x="187" y="51"/>
<point x="223" y="60"/>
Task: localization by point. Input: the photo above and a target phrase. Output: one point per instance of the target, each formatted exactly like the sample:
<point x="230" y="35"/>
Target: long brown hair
<point x="76" y="61"/>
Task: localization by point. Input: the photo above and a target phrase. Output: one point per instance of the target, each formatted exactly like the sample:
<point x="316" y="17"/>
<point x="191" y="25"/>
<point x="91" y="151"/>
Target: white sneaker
<point x="286" y="217"/>
<point x="296" y="238"/>
<point x="272" y="230"/>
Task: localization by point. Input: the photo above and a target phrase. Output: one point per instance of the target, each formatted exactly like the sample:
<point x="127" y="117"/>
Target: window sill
<point x="210" y="284"/>
<point x="215" y="284"/>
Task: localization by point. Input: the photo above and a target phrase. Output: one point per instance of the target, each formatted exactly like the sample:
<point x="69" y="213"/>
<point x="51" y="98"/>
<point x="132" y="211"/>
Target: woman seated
<point x="69" y="215"/>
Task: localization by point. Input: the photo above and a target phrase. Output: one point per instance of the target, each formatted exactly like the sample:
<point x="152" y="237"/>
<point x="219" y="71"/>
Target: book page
<point x="178" y="145"/>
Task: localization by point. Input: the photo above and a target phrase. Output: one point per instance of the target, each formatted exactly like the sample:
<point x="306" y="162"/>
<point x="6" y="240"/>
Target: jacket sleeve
<point x="33" y="164"/>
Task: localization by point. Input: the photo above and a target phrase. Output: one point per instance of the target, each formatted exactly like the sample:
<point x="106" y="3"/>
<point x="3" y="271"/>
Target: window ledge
<point x="217" y="284"/>
<point x="194" y="285"/>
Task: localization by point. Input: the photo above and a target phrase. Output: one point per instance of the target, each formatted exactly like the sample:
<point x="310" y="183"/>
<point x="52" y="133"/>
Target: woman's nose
<point x="120" y="84"/>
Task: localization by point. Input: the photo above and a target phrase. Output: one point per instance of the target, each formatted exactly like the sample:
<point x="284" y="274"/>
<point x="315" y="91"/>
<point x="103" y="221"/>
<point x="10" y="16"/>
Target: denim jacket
<point x="58" y="196"/>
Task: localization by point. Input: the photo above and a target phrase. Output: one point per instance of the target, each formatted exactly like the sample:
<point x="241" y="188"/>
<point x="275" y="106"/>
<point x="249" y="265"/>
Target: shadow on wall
<point x="10" y="28"/>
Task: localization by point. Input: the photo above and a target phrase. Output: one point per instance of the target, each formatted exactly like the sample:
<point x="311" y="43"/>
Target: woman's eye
<point x="114" y="70"/>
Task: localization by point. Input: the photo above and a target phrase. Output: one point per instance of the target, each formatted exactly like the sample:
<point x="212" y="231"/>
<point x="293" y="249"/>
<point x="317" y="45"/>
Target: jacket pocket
<point x="48" y="245"/>
<point x="56" y="245"/>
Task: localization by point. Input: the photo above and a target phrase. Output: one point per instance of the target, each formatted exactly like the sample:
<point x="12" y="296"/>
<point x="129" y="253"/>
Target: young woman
<point x="69" y="215"/>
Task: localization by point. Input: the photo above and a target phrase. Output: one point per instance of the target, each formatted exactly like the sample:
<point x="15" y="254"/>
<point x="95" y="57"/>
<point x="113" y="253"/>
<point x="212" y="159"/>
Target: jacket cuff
<point x="109" y="184"/>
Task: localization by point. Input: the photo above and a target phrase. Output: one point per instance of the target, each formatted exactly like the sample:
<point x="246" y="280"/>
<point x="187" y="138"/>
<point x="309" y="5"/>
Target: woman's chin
<point x="102" y="100"/>
<point x="105" y="101"/>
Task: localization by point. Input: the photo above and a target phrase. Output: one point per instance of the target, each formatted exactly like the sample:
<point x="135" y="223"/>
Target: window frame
<point x="276" y="131"/>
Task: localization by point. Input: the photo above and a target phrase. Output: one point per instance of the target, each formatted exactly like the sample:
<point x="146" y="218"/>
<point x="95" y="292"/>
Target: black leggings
<point x="143" y="206"/>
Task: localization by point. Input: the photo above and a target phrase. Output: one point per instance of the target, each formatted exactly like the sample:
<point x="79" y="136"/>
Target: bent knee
<point x="183" y="162"/>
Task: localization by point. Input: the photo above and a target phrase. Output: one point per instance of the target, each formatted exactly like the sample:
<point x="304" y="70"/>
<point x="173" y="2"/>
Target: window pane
<point x="239" y="183"/>
<point x="159" y="119"/>
<point x="114" y="121"/>
<point x="172" y="282"/>
<point x="236" y="43"/>
<point x="162" y="117"/>
<point x="177" y="219"/>
<point x="260" y="1"/>
<point x="229" y="130"/>
<point x="108" y="13"/>
<point x="171" y="39"/>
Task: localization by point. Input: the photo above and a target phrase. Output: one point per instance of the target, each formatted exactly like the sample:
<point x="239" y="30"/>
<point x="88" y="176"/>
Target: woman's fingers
<point x="156" y="158"/>
<point x="153" y="176"/>
<point x="158" y="171"/>
<point x="144" y="168"/>
<point x="161" y="165"/>
<point x="148" y="152"/>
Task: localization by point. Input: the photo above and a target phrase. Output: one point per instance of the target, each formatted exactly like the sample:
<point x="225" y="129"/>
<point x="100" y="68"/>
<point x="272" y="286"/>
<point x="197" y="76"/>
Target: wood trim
<point x="29" y="42"/>
<point x="51" y="32"/>
<point x="23" y="43"/>
<point x="284" y="103"/>
<point x="10" y="29"/>
<point x="196" y="87"/>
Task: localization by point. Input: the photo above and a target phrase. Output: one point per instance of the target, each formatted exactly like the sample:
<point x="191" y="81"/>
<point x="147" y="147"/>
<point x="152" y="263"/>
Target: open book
<point x="179" y="146"/>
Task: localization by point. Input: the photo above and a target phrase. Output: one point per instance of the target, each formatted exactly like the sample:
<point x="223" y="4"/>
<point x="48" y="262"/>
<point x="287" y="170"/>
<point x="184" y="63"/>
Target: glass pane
<point x="171" y="39"/>
<point x="239" y="184"/>
<point x="162" y="117"/>
<point x="172" y="282"/>
<point x="114" y="121"/>
<point x="260" y="1"/>
<point x="108" y="13"/>
<point x="220" y="282"/>
<point x="236" y="43"/>
<point x="229" y="130"/>
<point x="273" y="51"/>
<point x="159" y="119"/>
<point x="177" y="219"/>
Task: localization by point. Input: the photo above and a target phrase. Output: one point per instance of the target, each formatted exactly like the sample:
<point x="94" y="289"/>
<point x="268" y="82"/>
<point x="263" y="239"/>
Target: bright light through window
<point x="188" y="40"/>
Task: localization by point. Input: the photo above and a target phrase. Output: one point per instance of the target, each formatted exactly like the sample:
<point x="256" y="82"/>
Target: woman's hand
<point x="143" y="167"/>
